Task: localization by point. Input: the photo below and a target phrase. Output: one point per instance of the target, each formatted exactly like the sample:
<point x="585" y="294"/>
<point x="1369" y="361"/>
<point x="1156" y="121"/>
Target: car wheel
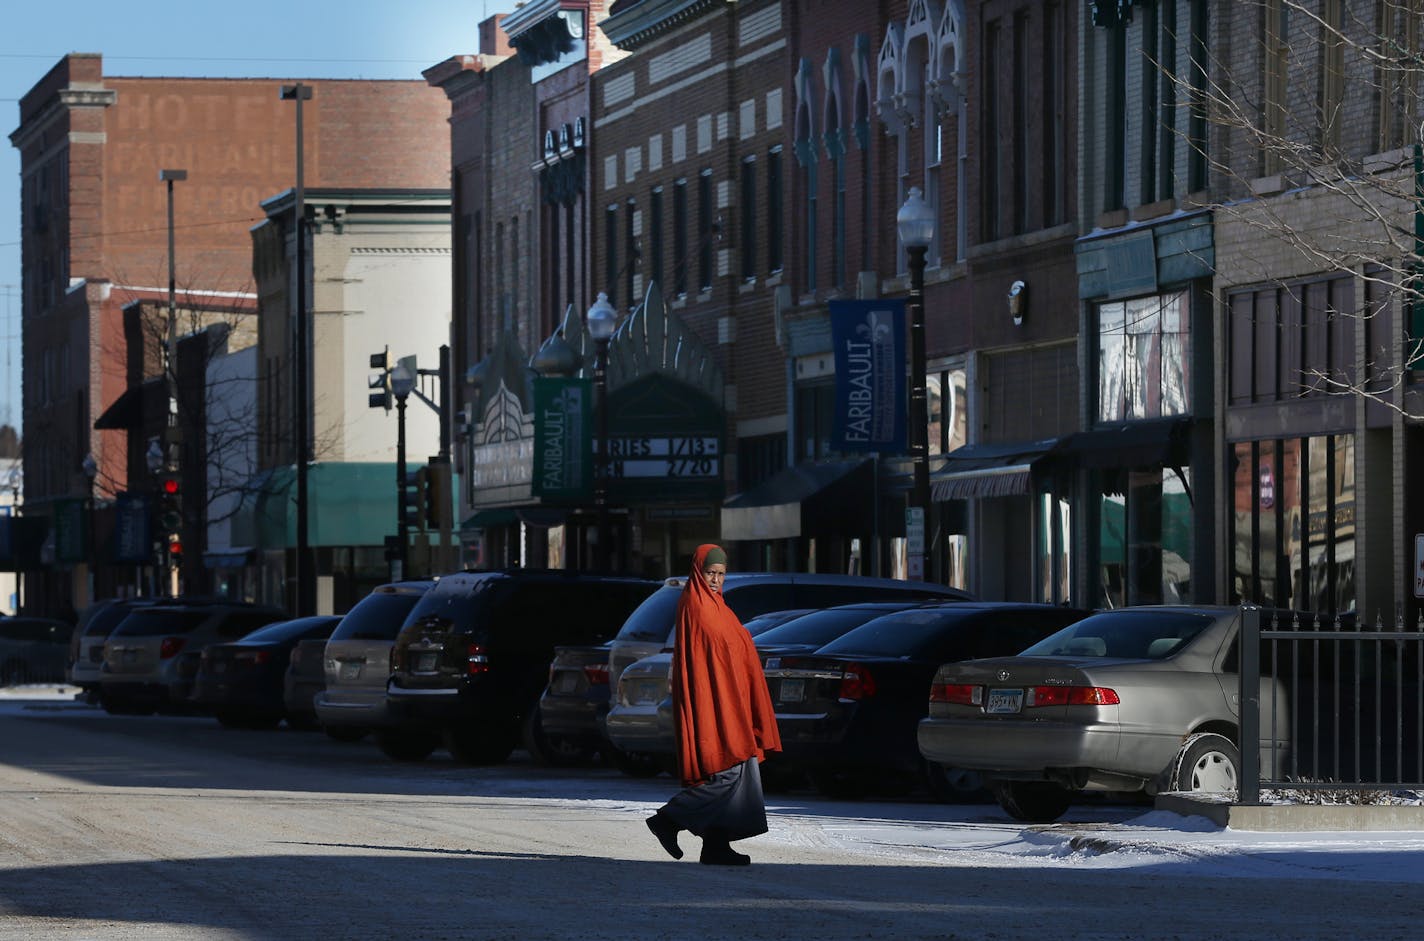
<point x="1207" y="762"/>
<point x="954" y="785"/>
<point x="555" y="750"/>
<point x="1032" y="801"/>
<point x="841" y="785"/>
<point x="344" y="733"/>
<point x="406" y="746"/>
<point x="635" y="765"/>
<point x="483" y="746"/>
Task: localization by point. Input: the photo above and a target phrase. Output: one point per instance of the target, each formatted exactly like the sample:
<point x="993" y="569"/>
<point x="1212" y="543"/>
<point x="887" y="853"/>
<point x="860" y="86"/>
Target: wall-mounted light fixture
<point x="1018" y="302"/>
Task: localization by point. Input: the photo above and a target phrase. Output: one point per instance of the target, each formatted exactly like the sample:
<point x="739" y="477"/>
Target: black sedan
<point x="242" y="682"/>
<point x="813" y="630"/>
<point x="849" y="712"/>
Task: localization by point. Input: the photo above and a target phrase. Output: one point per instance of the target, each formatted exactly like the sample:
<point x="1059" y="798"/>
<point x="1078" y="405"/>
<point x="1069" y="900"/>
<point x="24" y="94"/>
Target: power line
<point x="55" y="58"/>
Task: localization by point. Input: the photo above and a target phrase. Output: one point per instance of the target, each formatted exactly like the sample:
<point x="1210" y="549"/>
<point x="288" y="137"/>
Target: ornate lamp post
<point x="91" y="471"/>
<point x="916" y="222"/>
<point x="601" y="320"/>
<point x="402" y="384"/>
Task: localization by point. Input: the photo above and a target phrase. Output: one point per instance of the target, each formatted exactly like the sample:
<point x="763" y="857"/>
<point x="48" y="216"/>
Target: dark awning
<point x="812" y="498"/>
<point x="1156" y="442"/>
<point x="126" y="411"/>
<point x="988" y="470"/>
<point x="495" y="516"/>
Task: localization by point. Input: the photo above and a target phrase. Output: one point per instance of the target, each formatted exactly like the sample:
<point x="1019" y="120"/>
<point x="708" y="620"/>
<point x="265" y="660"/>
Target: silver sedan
<point x="1135" y="699"/>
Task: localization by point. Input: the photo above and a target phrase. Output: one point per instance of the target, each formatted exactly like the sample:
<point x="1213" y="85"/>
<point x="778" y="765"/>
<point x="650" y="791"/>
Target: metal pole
<point x="303" y="571"/>
<point x="1249" y="703"/>
<point x="919" y="416"/>
<point x="600" y="487"/>
<point x="401" y="531"/>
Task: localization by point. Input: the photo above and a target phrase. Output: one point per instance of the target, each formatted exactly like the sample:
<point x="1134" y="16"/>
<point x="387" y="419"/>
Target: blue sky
<point x="251" y="38"/>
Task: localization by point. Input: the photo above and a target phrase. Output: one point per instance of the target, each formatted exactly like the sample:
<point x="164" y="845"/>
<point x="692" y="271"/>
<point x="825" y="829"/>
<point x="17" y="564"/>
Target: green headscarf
<point x="715" y="556"/>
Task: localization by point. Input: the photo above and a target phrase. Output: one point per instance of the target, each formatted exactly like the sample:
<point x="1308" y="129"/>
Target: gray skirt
<point x="730" y="801"/>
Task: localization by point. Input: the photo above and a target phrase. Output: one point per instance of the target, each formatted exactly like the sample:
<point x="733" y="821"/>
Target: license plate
<point x="130" y="656"/>
<point x="1003" y="701"/>
<point x="792" y="690"/>
<point x="351" y="671"/>
<point x="220" y="666"/>
<point x="647" y="692"/>
<point x="566" y="681"/>
<point x="425" y="663"/>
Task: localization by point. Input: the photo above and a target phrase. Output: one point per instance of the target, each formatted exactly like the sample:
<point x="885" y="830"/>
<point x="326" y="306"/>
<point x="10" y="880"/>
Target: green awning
<point x="351" y="504"/>
<point x="490" y="518"/>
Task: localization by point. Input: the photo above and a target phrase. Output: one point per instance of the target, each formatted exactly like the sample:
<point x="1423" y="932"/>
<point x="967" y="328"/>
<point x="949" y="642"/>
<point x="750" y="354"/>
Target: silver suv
<point x="152" y="655"/>
<point x="358" y="660"/>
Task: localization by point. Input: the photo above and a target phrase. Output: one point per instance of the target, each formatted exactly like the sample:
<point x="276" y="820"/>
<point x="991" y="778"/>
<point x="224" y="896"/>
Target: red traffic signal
<point x="170" y="486"/>
<point x="175" y="549"/>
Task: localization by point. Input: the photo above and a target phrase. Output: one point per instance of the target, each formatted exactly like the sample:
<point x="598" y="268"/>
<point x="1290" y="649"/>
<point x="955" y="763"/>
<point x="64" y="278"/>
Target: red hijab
<point x="720" y="701"/>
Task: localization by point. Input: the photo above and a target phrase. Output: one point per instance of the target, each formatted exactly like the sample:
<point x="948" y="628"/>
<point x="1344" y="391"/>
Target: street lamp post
<point x="156" y="461"/>
<point x="170" y="353"/>
<point x="916" y="222"/>
<point x="301" y="352"/>
<point x="402" y="384"/>
<point x="602" y="319"/>
<point x="91" y="471"/>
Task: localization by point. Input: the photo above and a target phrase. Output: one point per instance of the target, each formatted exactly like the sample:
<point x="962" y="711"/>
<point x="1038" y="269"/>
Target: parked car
<point x="748" y="594"/>
<point x="640" y="719"/>
<point x="848" y="713"/>
<point x="241" y="682"/>
<point x="1134" y="699"/>
<point x="469" y="664"/>
<point x="151" y="657"/>
<point x="811" y="631"/>
<point x="86" y="645"/>
<point x="305" y="677"/>
<point x="356" y="660"/>
<point x="33" y="650"/>
<point x="573" y="705"/>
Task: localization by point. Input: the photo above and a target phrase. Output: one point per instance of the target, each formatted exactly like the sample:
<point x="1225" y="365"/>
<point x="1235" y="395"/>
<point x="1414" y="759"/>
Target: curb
<point x="1288" y="818"/>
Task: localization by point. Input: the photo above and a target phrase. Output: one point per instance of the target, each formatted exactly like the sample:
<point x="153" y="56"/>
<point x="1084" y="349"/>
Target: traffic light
<point x="175" y="551"/>
<point x="438" y="511"/>
<point x="411" y="501"/>
<point x="170" y="504"/>
<point x="382" y="381"/>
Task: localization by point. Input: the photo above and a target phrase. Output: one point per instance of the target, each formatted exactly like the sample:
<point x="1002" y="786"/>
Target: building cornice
<point x="643" y="21"/>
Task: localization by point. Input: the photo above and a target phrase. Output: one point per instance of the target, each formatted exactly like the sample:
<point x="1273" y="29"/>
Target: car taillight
<point x="476" y="661"/>
<point x="857" y="683"/>
<point x="170" y="647"/>
<point x="258" y="657"/>
<point x="959" y="694"/>
<point x="597" y="673"/>
<point x="1070" y="696"/>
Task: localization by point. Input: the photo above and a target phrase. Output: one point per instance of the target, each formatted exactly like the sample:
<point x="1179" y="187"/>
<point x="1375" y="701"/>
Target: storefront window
<point x="1294" y="519"/>
<point x="1143" y="351"/>
<point x="1145" y="541"/>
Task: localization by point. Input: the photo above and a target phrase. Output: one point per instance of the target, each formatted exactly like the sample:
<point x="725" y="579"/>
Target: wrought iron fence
<point x="1344" y="705"/>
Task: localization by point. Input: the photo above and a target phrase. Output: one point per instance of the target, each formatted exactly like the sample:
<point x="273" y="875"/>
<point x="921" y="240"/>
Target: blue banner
<point x="871" y="397"/>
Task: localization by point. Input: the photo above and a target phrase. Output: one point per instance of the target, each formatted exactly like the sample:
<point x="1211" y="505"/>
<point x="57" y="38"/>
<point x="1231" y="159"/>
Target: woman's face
<point x="715" y="574"/>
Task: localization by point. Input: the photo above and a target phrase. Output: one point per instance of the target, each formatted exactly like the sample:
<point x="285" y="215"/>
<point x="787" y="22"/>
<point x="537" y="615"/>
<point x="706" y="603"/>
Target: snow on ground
<point x="1091" y="835"/>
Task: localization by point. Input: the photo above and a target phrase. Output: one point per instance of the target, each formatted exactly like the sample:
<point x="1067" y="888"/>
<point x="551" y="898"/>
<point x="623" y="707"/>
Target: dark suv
<point x="473" y="656"/>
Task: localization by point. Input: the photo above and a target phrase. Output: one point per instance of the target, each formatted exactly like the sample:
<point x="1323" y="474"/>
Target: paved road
<point x="167" y="828"/>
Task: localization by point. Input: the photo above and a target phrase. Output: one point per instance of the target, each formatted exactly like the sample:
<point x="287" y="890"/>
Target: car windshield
<point x="903" y="634"/>
<point x="160" y="621"/>
<point x="1125" y="635"/>
<point x="287" y="630"/>
<point x="456" y="606"/>
<point x="378" y="616"/>
<point x="652" y="620"/>
<point x="105" y="620"/>
<point x="772" y="620"/>
<point x="818" y="627"/>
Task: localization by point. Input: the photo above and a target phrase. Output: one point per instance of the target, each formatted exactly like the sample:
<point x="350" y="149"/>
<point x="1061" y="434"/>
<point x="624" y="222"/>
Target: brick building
<point x="95" y="223"/>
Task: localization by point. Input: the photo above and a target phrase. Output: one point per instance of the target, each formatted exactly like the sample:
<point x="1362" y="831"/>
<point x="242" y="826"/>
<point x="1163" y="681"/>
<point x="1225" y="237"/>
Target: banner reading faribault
<point x="563" y="447"/>
<point x="869" y="342"/>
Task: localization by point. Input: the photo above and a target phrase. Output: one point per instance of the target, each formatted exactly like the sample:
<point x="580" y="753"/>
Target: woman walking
<point x="724" y="718"/>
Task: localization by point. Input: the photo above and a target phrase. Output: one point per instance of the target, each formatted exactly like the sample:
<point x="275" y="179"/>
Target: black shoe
<point x="666" y="831"/>
<point x="716" y="851"/>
